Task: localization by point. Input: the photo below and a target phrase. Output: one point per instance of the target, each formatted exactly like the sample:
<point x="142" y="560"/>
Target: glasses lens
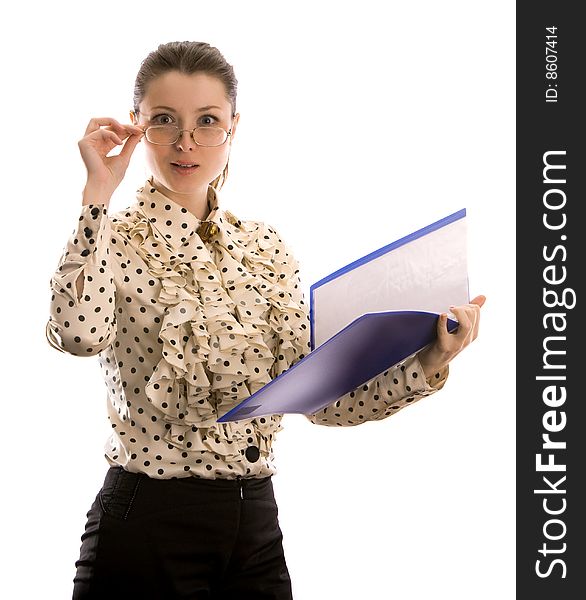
<point x="169" y="134"/>
<point x="162" y="134"/>
<point x="210" y="136"/>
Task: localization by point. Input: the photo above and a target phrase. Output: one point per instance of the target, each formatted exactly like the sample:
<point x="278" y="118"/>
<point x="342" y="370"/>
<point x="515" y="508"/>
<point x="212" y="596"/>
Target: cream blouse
<point x="188" y="318"/>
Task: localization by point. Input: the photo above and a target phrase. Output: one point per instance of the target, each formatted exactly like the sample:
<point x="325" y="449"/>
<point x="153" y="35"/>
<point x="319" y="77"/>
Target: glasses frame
<point x="191" y="134"/>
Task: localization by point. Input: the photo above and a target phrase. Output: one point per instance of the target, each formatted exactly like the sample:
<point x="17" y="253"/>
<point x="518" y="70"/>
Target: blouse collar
<point x="174" y="222"/>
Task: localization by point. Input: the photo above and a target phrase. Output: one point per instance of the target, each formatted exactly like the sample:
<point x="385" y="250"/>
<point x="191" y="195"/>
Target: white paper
<point x="427" y="273"/>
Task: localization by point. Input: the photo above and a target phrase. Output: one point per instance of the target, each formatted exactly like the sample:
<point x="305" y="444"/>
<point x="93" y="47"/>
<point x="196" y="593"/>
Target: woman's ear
<point x="234" y="126"/>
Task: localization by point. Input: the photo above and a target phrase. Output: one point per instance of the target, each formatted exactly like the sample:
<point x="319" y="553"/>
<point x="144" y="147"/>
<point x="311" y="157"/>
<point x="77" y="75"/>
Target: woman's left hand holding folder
<point x="447" y="345"/>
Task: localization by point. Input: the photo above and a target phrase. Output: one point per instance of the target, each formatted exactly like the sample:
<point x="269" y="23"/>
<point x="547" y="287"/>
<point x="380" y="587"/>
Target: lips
<point x="185" y="164"/>
<point x="183" y="169"/>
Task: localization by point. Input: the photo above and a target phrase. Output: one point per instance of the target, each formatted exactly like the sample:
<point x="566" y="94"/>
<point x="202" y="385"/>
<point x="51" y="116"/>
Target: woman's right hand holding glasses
<point x="104" y="173"/>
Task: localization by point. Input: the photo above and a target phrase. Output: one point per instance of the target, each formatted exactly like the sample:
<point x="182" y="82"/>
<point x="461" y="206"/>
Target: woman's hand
<point x="104" y="172"/>
<point x="447" y="345"/>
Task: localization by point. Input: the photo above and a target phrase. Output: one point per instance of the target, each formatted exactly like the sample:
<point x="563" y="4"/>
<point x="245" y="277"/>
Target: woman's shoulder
<point x="129" y="222"/>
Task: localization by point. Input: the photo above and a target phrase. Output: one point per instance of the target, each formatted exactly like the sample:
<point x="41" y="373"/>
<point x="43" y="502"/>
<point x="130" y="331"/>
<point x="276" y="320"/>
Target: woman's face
<point x="187" y="101"/>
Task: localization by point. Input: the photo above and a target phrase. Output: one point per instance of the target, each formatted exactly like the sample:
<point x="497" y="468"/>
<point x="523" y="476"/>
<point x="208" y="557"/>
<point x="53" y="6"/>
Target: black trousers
<point x="187" y="538"/>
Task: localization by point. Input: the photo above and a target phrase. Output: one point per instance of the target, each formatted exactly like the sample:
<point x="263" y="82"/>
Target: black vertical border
<point x="541" y="127"/>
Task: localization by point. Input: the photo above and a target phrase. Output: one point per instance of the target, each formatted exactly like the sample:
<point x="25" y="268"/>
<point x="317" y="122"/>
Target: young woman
<point x="190" y="310"/>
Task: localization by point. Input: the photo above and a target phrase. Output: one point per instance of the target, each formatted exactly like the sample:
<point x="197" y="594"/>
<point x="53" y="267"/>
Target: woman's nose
<point x="189" y="144"/>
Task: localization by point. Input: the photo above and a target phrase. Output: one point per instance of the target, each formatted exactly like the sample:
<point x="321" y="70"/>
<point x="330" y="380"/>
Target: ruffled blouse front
<point x="218" y="331"/>
<point x="189" y="318"/>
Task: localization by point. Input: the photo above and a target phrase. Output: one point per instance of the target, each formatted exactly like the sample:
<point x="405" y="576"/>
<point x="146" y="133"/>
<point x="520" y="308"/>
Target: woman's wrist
<point x="432" y="361"/>
<point x="96" y="193"/>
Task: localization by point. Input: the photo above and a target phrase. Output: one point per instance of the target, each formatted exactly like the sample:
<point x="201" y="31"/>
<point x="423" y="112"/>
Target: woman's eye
<point x="159" y="119"/>
<point x="208" y="120"/>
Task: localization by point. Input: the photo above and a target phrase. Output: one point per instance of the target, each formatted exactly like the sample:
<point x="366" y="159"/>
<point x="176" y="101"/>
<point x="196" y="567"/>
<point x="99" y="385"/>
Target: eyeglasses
<point x="166" y="135"/>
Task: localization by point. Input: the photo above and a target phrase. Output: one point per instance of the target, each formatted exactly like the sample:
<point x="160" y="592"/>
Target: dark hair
<point x="188" y="58"/>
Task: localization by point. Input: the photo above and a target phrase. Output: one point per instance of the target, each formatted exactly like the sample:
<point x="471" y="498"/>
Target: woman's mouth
<point x="184" y="168"/>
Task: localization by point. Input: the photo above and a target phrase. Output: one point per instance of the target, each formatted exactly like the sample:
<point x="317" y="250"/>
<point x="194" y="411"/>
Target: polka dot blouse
<point x="188" y="318"/>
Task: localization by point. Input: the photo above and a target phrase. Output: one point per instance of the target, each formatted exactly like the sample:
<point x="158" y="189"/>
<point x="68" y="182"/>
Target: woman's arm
<point x="82" y="320"/>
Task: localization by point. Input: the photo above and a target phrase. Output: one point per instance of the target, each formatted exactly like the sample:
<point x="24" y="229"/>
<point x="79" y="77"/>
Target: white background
<point x="360" y="122"/>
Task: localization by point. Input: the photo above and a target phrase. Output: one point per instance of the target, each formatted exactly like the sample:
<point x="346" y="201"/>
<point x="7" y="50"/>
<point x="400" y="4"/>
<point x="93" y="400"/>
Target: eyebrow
<point x="198" y="110"/>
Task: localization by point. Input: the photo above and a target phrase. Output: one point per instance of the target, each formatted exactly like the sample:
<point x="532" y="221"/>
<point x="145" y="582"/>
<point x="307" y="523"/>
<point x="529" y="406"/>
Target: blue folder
<point x="369" y="316"/>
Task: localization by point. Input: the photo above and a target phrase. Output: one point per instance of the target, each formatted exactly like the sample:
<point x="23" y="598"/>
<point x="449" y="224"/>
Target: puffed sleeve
<point x="82" y="320"/>
<point x="384" y="395"/>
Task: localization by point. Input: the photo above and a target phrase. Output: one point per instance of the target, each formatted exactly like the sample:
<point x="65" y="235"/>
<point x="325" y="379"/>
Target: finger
<point x="104" y="133"/>
<point x="100" y="136"/>
<point x="130" y="145"/>
<point x="473" y="312"/>
<point x="448" y="343"/>
<point x="462" y="314"/>
<point x="442" y="322"/>
<point x="476" y="323"/>
<point x="97" y="122"/>
<point x="129" y="130"/>
<point x="465" y="317"/>
<point x="479" y="300"/>
<point x="136" y="128"/>
<point x="443" y="335"/>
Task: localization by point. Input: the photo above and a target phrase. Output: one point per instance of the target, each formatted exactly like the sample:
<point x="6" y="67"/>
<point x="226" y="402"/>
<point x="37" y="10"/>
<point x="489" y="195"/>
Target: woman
<point x="190" y="310"/>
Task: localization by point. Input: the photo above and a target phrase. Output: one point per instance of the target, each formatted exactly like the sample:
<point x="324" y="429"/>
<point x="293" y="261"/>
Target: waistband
<point x="115" y="472"/>
<point x="126" y="483"/>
